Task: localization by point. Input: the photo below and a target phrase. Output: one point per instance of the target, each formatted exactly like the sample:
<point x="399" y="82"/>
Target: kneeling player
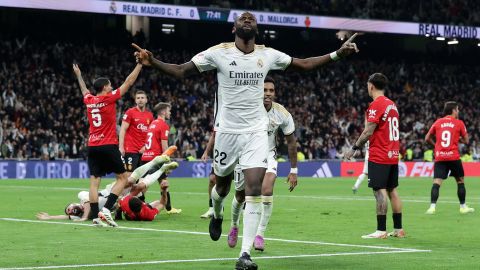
<point x="448" y="131"/>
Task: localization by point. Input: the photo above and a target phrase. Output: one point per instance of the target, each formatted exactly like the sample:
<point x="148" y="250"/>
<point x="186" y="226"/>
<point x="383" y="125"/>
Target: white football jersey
<point x="278" y="117"/>
<point x="239" y="104"/>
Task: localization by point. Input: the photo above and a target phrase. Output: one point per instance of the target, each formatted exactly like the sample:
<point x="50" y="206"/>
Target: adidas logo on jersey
<point x="233" y="63"/>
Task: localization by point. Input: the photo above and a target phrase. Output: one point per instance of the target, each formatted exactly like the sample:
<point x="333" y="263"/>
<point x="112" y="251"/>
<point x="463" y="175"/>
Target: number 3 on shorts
<point x="220" y="157"/>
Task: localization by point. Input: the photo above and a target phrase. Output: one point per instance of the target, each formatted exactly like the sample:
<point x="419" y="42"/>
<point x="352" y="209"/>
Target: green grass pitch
<point x="318" y="226"/>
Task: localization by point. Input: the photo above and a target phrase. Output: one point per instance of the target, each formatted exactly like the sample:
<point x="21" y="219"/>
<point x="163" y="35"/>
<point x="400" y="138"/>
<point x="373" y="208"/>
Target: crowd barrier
<point x="10" y="169"/>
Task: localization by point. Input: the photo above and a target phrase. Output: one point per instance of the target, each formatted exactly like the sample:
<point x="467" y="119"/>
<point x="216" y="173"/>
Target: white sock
<point x="236" y="210"/>
<point x="217" y="201"/>
<point x="142" y="170"/>
<point x="463" y="205"/>
<point x="267" y="204"/>
<point x="433" y="205"/>
<point x="359" y="181"/>
<point x="152" y="178"/>
<point x="251" y="218"/>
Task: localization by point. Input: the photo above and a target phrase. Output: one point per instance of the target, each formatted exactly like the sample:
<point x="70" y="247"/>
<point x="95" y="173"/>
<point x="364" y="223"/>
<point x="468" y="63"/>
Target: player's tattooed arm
<point x="145" y="57"/>
<point x="81" y="83"/>
<point x="366" y="134"/>
<point x="130" y="80"/>
<point x="311" y="63"/>
<point x="382" y="203"/>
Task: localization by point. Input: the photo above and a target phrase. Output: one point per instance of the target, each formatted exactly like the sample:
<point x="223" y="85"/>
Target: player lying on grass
<point x="135" y="209"/>
<point x="80" y="211"/>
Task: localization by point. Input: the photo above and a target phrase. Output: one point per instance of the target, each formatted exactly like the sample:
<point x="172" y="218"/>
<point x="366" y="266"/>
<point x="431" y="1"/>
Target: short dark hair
<point x="449" y="106"/>
<point x="140" y="92"/>
<point x="135" y="204"/>
<point x="378" y="80"/>
<point x="269" y="79"/>
<point x="99" y="83"/>
<point x="161" y="106"/>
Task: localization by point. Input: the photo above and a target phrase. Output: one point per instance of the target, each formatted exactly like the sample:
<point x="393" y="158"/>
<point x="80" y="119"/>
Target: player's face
<point x="168" y="113"/>
<point x="245" y="26"/>
<point x="369" y="88"/>
<point x="268" y="93"/>
<point x="74" y="209"/>
<point x="141" y="100"/>
<point x="456" y="112"/>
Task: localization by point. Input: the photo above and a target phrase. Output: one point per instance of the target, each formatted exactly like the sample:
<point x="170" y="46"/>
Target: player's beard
<point x="245" y="34"/>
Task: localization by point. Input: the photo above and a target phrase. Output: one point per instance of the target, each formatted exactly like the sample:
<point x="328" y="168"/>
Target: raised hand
<point x="348" y="47"/>
<point x="143" y="56"/>
<point x="76" y="70"/>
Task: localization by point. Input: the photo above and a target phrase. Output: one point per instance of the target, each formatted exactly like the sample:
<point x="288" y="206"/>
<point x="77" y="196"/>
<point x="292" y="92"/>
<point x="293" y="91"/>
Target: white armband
<point x="334" y="56"/>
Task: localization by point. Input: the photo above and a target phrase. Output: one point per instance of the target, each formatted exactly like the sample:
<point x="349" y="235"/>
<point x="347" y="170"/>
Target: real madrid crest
<point x="260" y="63"/>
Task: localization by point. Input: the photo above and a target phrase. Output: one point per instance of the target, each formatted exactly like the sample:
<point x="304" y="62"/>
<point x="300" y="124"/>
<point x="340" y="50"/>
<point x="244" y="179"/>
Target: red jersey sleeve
<point x="127" y="117"/>
<point x="164" y="131"/>
<point x="114" y="95"/>
<point x="433" y="129"/>
<point x="374" y="112"/>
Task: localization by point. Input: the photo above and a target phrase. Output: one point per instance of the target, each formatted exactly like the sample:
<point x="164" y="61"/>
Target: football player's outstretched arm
<point x="81" y="83"/>
<point x="46" y="216"/>
<point x="292" y="156"/>
<point x="311" y="63"/>
<point x="130" y="80"/>
<point x="181" y="71"/>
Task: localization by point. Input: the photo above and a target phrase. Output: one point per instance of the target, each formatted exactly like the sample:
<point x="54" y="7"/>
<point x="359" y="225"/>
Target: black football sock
<point x="111" y="200"/>
<point x="381" y="223"/>
<point x="397" y="220"/>
<point x="168" y="206"/>
<point x="93" y="210"/>
<point x="118" y="214"/>
<point x="462" y="193"/>
<point x="435" y="193"/>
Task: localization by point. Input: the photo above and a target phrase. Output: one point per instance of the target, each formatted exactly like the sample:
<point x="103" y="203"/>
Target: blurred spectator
<point x="46" y="117"/>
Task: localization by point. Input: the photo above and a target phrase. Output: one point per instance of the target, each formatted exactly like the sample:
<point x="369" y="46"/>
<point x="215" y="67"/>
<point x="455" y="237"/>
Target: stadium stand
<point x="42" y="115"/>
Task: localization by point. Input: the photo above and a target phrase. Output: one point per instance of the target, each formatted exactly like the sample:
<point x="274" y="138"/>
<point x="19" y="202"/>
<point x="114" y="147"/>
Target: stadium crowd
<point x="43" y="117"/>
<point x="460" y="12"/>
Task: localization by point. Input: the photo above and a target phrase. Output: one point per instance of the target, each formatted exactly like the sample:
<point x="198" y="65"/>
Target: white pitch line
<point x="204" y="233"/>
<point x="334" y="198"/>
<point x="213" y="259"/>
